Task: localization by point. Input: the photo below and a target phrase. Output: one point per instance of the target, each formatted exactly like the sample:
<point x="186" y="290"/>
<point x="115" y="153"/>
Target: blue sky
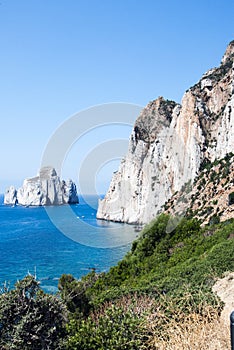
<point x="60" y="57"/>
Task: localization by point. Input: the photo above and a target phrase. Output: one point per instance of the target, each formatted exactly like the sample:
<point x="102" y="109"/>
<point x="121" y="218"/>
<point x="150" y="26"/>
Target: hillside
<point x="210" y="198"/>
<point x="160" y="295"/>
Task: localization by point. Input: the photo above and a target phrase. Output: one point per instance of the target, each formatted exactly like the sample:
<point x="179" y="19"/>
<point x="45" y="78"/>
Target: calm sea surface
<point x="30" y="242"/>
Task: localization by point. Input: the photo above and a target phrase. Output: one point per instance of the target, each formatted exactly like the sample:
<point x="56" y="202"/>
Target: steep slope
<point x="165" y="282"/>
<point x="211" y="197"/>
<point x="168" y="144"/>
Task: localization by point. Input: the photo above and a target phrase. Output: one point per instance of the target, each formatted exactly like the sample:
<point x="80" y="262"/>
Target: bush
<point x="215" y="219"/>
<point x="231" y="198"/>
<point x="30" y="319"/>
<point x="73" y="292"/>
<point x="151" y="236"/>
<point x="115" y="329"/>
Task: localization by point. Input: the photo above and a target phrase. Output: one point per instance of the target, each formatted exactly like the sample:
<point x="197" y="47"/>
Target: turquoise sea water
<point x="30" y="242"/>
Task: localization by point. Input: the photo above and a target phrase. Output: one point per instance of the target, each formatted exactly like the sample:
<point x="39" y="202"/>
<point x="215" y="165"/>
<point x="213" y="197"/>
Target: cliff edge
<point x="169" y="143"/>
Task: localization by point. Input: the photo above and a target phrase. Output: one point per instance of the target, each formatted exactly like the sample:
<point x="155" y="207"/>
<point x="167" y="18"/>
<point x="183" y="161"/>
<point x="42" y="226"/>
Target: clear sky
<point x="62" y="56"/>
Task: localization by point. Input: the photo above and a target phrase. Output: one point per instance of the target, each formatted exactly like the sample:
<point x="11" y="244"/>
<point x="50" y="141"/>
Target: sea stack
<point x="44" y="189"/>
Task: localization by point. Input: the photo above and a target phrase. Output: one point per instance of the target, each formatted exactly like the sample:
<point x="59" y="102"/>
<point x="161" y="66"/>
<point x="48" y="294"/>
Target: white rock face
<point x="168" y="144"/>
<point x="44" y="189"/>
<point x="10" y="196"/>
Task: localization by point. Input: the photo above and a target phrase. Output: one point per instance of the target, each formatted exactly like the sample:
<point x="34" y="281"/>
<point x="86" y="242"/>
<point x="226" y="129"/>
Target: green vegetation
<point x="210" y="194"/>
<point x="231" y="198"/>
<point x="165" y="262"/>
<point x="173" y="271"/>
<point x="29" y="318"/>
<point x="165" y="279"/>
<point x="114" y="329"/>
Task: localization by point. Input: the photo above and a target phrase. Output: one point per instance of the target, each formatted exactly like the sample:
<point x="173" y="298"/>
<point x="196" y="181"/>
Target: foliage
<point x="164" y="262"/>
<point x="215" y="219"/>
<point x="231" y="198"/>
<point x="170" y="271"/>
<point x="74" y="292"/>
<point x="29" y="318"/>
<point x="116" y="329"/>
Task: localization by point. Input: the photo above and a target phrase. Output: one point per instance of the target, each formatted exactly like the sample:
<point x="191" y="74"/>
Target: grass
<point x="194" y="333"/>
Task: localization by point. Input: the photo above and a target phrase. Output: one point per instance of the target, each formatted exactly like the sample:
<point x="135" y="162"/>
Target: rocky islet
<point x="45" y="189"/>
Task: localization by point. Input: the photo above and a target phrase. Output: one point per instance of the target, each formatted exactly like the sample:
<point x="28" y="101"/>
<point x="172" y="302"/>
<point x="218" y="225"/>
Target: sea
<point x="50" y="241"/>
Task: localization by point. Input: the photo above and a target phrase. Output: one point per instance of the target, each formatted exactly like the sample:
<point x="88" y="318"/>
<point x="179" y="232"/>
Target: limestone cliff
<point x="168" y="144"/>
<point x="44" y="189"/>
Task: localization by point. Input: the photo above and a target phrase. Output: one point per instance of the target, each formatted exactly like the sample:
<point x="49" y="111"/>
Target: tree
<point x="29" y="318"/>
<point x="74" y="292"/>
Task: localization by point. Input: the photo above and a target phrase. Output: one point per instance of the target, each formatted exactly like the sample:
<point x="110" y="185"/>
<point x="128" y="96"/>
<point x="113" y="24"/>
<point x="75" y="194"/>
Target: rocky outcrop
<point x="170" y="142"/>
<point x="44" y="189"/>
<point x="11" y="196"/>
<point x="211" y="196"/>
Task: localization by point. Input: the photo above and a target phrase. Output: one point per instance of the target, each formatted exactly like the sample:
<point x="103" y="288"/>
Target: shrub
<point x="74" y="293"/>
<point x="231" y="198"/>
<point x="30" y="319"/>
<point x="116" y="329"/>
<point x="215" y="219"/>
